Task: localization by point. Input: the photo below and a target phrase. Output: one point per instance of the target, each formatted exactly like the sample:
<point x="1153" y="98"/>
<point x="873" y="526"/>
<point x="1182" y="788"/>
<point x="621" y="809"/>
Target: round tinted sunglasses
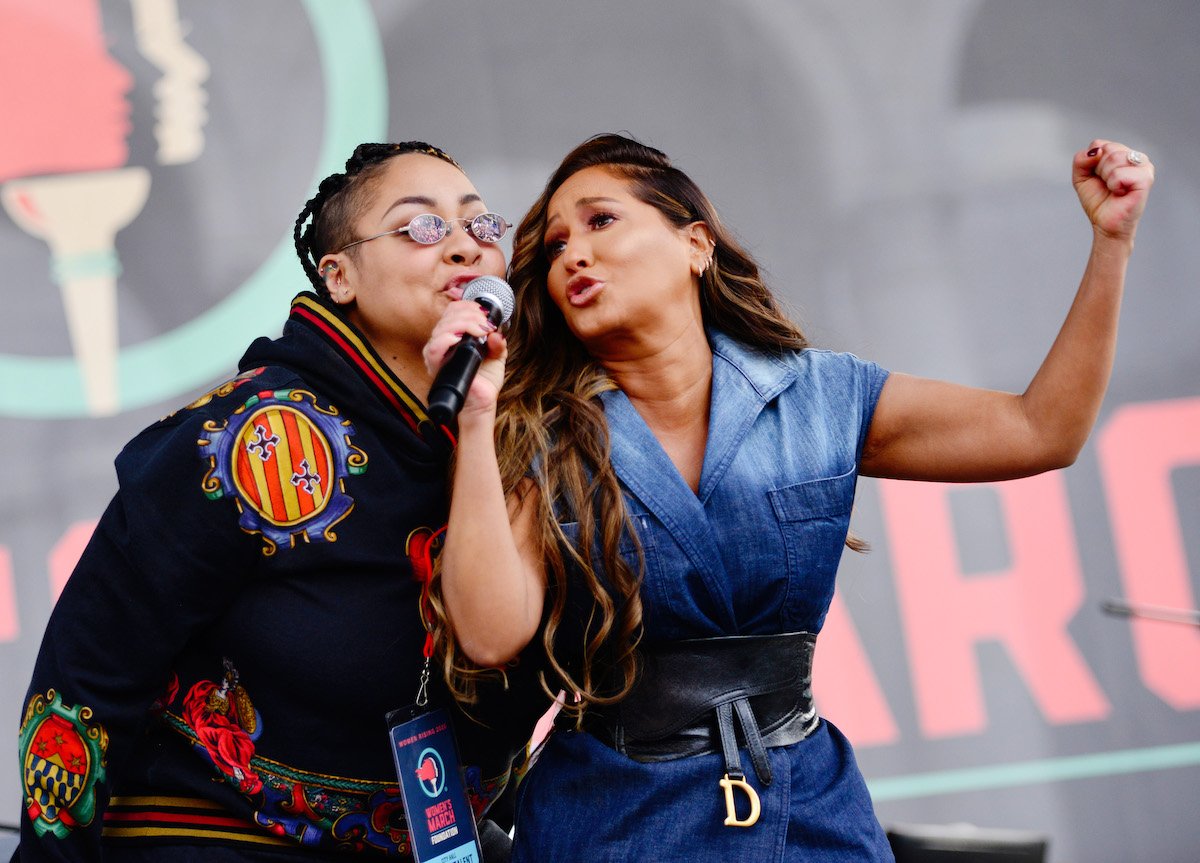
<point x="428" y="229"/>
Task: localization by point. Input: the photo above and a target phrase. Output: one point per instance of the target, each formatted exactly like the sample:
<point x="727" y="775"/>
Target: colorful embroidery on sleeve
<point x="226" y="725"/>
<point x="218" y="719"/>
<point x="63" y="757"/>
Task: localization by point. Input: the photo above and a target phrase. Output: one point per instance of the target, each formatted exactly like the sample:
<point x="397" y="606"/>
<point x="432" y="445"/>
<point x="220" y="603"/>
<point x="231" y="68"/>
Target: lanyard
<point x="420" y="547"/>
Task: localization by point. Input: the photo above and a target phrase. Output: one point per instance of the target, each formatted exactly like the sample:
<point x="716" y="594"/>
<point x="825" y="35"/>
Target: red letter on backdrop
<point x="66" y="554"/>
<point x="1139" y="448"/>
<point x="845" y="687"/>
<point x="1026" y="608"/>
<point x="9" y="627"/>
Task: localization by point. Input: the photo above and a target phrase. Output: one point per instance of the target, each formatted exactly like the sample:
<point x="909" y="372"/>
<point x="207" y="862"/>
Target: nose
<point x="577" y="253"/>
<point x="460" y="245"/>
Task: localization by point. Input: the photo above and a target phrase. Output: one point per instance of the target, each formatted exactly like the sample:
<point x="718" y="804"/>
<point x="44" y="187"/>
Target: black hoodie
<point x="246" y="613"/>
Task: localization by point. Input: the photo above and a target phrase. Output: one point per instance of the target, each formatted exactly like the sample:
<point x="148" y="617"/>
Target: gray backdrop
<point x="902" y="171"/>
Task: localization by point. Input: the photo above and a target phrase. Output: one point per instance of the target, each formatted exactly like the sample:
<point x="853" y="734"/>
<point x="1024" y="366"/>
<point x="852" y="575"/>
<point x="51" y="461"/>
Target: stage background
<point x="901" y="170"/>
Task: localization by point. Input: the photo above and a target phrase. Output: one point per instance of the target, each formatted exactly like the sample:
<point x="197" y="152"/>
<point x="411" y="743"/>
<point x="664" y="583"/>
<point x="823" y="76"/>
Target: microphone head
<point x="494" y="289"/>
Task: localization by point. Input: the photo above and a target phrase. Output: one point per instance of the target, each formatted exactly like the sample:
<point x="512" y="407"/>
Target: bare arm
<point x="493" y="579"/>
<point x="932" y="430"/>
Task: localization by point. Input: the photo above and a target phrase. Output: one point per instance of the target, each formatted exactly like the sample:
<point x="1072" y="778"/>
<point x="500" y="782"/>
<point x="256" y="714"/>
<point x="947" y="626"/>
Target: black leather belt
<point x="688" y="693"/>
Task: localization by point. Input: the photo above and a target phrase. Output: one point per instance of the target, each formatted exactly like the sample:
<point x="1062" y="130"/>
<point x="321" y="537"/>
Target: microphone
<point x="454" y="378"/>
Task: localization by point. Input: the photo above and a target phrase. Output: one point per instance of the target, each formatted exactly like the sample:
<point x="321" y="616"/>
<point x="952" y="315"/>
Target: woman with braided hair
<point x="214" y="681"/>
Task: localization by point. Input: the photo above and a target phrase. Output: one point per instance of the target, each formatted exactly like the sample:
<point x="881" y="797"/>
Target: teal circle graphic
<point x="184" y="358"/>
<point x="439" y="783"/>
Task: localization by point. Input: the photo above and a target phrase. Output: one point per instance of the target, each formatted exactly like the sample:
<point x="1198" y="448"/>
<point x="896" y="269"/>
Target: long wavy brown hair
<point x="551" y="433"/>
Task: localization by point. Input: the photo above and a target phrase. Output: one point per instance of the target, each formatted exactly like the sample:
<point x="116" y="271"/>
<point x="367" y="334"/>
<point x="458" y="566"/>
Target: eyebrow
<point x="426" y="201"/>
<point x="586" y="202"/>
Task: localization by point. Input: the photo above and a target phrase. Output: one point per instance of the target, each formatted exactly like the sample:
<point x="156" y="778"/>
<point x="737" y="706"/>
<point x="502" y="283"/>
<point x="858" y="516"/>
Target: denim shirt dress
<point x="753" y="552"/>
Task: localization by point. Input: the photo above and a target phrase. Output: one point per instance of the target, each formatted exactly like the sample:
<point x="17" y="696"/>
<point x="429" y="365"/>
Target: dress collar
<point x="325" y="319"/>
<point x="768" y="375"/>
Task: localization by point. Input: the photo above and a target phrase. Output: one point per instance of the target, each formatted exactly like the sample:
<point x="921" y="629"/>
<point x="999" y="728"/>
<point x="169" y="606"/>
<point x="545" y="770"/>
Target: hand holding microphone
<point x="453" y="379"/>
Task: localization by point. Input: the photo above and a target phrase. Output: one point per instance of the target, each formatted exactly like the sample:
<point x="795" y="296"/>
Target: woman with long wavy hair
<point x="662" y="489"/>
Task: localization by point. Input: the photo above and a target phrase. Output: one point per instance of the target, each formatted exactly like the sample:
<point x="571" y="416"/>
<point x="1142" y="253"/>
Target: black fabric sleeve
<point x="161" y="566"/>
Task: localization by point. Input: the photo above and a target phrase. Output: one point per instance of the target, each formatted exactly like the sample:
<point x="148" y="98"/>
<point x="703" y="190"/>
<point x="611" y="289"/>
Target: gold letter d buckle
<point x="731" y="819"/>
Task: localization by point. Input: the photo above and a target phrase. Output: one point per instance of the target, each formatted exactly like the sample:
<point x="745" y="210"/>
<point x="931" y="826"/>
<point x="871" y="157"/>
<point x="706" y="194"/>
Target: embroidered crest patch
<point x="285" y="460"/>
<point x="62" y="759"/>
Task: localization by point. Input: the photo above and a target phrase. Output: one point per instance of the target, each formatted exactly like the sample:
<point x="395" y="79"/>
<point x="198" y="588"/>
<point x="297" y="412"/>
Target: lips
<point x="581" y="290"/>
<point x="454" y="287"/>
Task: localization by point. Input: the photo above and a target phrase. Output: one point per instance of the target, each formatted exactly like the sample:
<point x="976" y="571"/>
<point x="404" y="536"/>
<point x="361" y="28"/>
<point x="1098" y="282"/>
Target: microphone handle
<point x="453" y="380"/>
<point x="449" y="389"/>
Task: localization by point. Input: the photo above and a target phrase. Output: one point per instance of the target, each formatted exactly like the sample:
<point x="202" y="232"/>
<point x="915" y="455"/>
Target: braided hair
<point x="338" y="200"/>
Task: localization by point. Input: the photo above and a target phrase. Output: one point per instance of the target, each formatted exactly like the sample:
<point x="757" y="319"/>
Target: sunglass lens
<point x="427" y="229"/>
<point x="488" y="227"/>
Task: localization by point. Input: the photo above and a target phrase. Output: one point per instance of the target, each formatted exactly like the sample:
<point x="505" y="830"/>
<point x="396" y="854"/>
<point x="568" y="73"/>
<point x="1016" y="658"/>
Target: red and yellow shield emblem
<point x="62" y="760"/>
<point x="282" y="465"/>
<point x="285" y="459"/>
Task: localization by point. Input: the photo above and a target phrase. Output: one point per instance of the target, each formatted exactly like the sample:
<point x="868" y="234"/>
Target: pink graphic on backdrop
<point x="10" y="627"/>
<point x="61" y="561"/>
<point x="66" y="554"/>
<point x="1027" y="608"/>
<point x="64" y="96"/>
<point x="63" y="177"/>
<point x="845" y="686"/>
<point x="1140" y="448"/>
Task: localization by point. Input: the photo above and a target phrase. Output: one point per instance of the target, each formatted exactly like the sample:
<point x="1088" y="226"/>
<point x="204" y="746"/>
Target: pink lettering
<point x="10" y="627"/>
<point x="66" y="553"/>
<point x="844" y="685"/>
<point x="1139" y="448"/>
<point x="1026" y="608"/>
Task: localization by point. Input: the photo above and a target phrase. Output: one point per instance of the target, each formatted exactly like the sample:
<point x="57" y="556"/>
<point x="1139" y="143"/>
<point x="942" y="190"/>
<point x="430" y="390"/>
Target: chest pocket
<point x="650" y="566"/>
<point x="813" y="518"/>
<point x="628" y="547"/>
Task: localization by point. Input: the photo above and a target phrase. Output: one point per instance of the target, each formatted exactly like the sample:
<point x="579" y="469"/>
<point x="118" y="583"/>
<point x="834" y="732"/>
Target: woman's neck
<point x="669" y="382"/>
<point x="406" y="363"/>
<point x="402" y="358"/>
<point x="411" y="371"/>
